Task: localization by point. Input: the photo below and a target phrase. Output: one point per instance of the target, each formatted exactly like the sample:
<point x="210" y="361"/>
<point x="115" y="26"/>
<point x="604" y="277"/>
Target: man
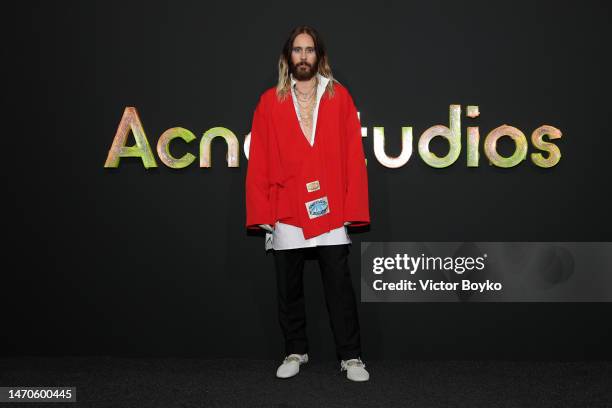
<point x="306" y="181"/>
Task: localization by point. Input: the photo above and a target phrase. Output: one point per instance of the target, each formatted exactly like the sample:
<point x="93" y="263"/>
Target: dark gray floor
<point x="177" y="382"/>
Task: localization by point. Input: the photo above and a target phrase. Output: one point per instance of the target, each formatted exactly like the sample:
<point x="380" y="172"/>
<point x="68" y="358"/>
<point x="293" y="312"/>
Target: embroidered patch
<point x="317" y="208"/>
<point x="313" y="186"/>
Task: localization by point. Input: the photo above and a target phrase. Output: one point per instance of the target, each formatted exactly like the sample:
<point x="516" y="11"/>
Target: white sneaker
<point x="355" y="369"/>
<point x="291" y="365"/>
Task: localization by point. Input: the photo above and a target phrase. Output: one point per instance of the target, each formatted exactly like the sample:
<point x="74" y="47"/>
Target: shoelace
<point x="352" y="362"/>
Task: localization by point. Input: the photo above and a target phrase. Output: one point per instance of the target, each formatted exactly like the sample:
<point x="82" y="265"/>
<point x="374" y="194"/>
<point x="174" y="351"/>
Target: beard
<point x="303" y="71"/>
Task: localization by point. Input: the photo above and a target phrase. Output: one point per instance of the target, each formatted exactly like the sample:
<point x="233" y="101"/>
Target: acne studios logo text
<point x="548" y="155"/>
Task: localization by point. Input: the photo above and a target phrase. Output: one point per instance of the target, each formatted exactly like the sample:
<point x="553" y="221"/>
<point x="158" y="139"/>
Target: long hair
<point x="323" y="68"/>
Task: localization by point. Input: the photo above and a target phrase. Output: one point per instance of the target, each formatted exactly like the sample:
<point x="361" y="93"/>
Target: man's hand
<point x="267" y="227"/>
<point x="347" y="223"/>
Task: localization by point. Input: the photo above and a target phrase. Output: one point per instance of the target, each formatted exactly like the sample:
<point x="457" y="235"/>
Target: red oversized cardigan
<point x="282" y="162"/>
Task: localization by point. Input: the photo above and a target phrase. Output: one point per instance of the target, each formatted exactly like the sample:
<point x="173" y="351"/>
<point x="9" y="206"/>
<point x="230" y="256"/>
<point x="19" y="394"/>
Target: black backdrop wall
<point x="131" y="261"/>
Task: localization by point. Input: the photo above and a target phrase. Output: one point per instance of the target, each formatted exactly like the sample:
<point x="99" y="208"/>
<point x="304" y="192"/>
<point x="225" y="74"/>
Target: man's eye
<point x="309" y="50"/>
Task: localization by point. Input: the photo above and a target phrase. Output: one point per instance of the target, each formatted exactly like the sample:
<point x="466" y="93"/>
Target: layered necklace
<point x="306" y="103"/>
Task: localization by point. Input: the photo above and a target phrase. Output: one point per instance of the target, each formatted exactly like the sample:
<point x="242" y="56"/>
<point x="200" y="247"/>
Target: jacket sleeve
<point x="356" y="204"/>
<point x="258" y="210"/>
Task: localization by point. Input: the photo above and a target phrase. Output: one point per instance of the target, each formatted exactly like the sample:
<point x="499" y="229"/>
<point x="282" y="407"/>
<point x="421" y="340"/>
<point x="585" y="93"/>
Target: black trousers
<point x="339" y="298"/>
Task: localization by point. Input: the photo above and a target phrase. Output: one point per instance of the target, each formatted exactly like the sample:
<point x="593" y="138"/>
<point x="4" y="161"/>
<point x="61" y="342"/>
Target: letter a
<point x="130" y="121"/>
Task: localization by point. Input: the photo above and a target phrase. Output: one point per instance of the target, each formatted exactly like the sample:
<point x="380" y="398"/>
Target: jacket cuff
<point x="267" y="227"/>
<point x="358" y="223"/>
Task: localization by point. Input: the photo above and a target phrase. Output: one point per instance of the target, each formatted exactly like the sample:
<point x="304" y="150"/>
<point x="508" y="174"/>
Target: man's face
<point x="303" y="58"/>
